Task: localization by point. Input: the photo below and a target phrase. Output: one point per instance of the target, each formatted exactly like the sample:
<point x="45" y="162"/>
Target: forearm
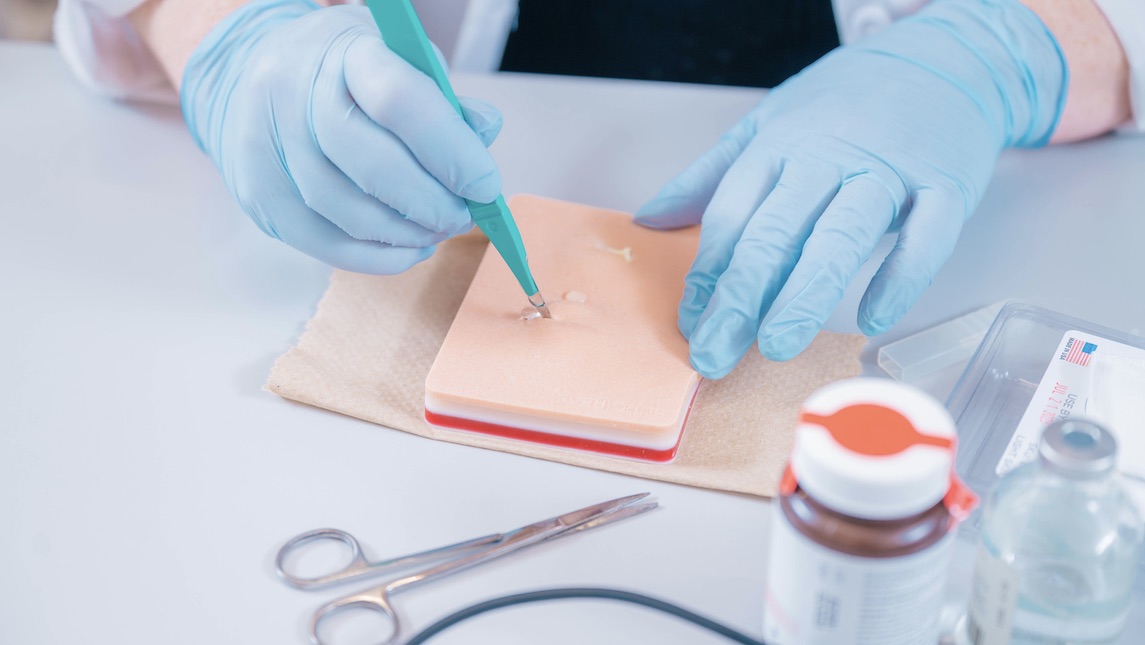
<point x="172" y="28"/>
<point x="1098" y="96"/>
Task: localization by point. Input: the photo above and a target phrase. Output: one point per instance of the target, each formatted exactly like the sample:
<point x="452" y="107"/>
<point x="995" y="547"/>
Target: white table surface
<point x="146" y="480"/>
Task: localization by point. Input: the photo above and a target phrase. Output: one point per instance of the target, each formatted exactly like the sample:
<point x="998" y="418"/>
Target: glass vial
<point x="1060" y="541"/>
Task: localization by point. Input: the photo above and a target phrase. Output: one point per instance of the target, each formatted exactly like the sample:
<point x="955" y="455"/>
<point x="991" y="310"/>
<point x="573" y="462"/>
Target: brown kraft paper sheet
<point x="369" y="346"/>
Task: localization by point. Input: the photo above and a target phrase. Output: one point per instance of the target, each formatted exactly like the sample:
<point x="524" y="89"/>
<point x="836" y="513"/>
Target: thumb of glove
<point x="682" y="201"/>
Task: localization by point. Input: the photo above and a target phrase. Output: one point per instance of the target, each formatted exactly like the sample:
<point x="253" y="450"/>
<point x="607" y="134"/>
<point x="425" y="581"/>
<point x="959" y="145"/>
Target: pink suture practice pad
<point x="608" y="374"/>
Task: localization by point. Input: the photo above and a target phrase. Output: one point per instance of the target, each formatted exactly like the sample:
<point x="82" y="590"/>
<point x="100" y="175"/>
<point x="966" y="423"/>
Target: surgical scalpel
<point x="405" y="36"/>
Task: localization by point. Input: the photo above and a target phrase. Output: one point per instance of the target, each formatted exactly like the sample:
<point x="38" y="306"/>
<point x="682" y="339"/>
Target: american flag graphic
<point x="1080" y="352"/>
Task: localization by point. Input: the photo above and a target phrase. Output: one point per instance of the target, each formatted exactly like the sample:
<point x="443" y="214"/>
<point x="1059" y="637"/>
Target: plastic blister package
<point x="993" y="397"/>
<point x="934" y="358"/>
<point x="1036" y="366"/>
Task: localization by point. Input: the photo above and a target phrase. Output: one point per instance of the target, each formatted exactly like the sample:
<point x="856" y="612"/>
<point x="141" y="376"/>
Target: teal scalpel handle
<point x="405" y="36"/>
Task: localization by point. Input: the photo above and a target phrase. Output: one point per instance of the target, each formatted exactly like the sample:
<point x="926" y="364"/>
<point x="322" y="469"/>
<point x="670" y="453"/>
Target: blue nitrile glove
<point x="900" y="130"/>
<point x="330" y="141"/>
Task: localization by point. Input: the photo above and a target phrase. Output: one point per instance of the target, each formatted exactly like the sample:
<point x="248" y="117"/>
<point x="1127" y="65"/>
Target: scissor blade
<point x="588" y="513"/>
<point x="530" y="534"/>
<point x="615" y="516"/>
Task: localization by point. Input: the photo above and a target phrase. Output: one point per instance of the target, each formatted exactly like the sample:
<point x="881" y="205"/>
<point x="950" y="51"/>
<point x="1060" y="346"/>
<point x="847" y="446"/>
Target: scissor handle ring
<point x="357" y="560"/>
<point x="374" y="601"/>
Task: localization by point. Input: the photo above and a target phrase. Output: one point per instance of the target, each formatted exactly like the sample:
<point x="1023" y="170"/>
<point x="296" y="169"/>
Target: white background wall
<point x="27" y="19"/>
<point x="442" y="20"/>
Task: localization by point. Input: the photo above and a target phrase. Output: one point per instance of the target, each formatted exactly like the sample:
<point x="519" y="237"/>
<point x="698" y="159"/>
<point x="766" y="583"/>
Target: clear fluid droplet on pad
<point x="575" y="296"/>
<point x="530" y="313"/>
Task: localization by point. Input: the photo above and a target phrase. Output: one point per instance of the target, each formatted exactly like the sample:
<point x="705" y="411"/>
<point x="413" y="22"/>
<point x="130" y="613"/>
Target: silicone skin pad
<point x="609" y="373"/>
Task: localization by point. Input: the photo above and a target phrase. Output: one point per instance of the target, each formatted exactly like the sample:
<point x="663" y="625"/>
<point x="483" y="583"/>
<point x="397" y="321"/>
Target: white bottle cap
<point x="874" y="449"/>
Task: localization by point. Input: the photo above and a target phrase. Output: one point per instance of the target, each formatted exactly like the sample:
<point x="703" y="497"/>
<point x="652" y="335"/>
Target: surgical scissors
<point x="460" y="556"/>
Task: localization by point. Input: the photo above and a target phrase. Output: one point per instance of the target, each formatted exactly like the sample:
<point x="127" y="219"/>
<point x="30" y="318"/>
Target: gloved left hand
<point x="901" y="130"/>
<point x="331" y="142"/>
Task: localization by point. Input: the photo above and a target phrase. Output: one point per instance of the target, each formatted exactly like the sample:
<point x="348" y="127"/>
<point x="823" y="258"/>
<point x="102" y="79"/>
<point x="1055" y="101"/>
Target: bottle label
<point x="1087" y="376"/>
<point x="817" y="595"/>
<point x="993" y="596"/>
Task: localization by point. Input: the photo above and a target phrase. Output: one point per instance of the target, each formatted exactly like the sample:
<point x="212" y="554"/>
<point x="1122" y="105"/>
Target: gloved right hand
<point x="332" y="143"/>
<point x="896" y="133"/>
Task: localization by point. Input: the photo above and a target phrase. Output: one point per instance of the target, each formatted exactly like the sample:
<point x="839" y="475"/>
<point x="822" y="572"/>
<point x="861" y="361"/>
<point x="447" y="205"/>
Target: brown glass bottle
<point x="862" y="530"/>
<point x="863" y="537"/>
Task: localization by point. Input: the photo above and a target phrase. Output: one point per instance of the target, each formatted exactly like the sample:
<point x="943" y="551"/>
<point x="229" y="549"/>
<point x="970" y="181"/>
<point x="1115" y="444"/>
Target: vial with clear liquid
<point x="1060" y="541"/>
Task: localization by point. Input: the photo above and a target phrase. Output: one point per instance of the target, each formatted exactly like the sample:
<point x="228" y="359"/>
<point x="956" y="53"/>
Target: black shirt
<point x="756" y="43"/>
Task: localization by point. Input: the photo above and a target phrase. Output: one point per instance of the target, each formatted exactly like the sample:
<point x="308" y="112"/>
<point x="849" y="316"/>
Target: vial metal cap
<point x="1079" y="448"/>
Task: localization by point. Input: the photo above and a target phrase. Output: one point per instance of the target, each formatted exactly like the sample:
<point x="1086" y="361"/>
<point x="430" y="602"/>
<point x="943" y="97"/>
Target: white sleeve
<point x="1127" y="17"/>
<point x="857" y="19"/>
<point x="104" y="52"/>
<point x="483" y="34"/>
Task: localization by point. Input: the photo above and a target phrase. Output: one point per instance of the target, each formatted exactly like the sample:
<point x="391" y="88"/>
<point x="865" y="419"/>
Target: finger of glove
<point x="739" y="194"/>
<point x="409" y="104"/>
<point x="329" y="192"/>
<point x="319" y="238"/>
<point x="681" y="202"/>
<point x="764" y="256"/>
<point x="841" y="241"/>
<point x="926" y="240"/>
<point x="483" y="118"/>
<point x="382" y="166"/>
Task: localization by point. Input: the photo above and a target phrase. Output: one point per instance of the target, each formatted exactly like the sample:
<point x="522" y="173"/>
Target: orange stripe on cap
<point x="789" y="483"/>
<point x="874" y="430"/>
